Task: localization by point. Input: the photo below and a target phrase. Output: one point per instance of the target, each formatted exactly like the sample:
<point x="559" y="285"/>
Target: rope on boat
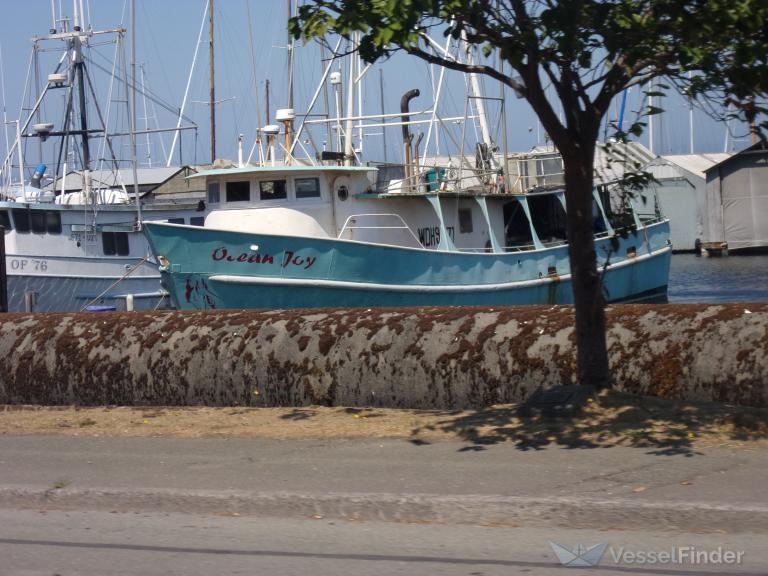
<point x="115" y="283"/>
<point x="159" y="302"/>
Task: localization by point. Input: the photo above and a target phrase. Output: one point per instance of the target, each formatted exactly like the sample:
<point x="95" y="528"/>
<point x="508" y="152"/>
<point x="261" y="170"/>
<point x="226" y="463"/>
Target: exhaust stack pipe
<point x="407" y="137"/>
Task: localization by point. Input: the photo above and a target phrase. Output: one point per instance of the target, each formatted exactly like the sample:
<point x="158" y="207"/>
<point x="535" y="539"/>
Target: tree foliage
<point x="587" y="51"/>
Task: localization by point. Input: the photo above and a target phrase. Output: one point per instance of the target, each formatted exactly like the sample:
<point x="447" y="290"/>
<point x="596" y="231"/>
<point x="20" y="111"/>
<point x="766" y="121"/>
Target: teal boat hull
<point x="206" y="268"/>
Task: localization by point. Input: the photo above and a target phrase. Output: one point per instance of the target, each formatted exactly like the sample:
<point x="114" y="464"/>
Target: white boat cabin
<point x="340" y="202"/>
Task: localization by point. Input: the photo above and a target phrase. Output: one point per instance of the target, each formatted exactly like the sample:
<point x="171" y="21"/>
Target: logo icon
<point x="580" y="555"/>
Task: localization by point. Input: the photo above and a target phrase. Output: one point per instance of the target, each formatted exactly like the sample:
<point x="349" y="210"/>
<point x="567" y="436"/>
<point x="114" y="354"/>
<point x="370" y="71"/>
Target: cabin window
<point x="619" y="213"/>
<point x="213" y="193"/>
<point x="115" y="243"/>
<point x="517" y="231"/>
<point x="175" y="220"/>
<point x="238" y="191"/>
<point x="549" y="219"/>
<point x="5" y="220"/>
<point x="465" y="220"/>
<point x="38" y="221"/>
<point x="307" y="187"/>
<point x="21" y="220"/>
<point x="598" y="223"/>
<point x="273" y="190"/>
<point x="196" y="221"/>
<point x="52" y="222"/>
<point x="37" y="218"/>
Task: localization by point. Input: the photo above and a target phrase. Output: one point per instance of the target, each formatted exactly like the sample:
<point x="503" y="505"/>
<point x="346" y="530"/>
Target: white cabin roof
<point x="282" y="169"/>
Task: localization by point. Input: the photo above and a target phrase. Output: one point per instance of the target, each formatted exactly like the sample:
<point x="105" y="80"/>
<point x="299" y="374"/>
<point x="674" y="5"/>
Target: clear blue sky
<point x="167" y="33"/>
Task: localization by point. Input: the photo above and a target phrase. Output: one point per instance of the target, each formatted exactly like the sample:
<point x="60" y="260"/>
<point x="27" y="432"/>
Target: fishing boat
<point x="72" y="217"/>
<point x="333" y="231"/>
<point x="324" y="236"/>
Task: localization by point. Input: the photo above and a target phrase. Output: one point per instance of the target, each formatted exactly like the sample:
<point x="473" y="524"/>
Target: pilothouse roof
<point x="282" y="169"/>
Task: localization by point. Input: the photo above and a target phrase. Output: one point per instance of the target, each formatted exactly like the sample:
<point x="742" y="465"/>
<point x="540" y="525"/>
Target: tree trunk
<point x="588" y="298"/>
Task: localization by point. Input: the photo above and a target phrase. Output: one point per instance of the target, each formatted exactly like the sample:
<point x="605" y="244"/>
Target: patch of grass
<point x="86" y="422"/>
<point x="59" y="484"/>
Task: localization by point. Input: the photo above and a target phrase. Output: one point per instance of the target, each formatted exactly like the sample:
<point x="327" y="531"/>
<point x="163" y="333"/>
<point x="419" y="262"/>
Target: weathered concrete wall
<point x="428" y="358"/>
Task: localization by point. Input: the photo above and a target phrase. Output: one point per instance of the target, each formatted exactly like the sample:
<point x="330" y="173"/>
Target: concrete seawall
<point x="427" y="358"/>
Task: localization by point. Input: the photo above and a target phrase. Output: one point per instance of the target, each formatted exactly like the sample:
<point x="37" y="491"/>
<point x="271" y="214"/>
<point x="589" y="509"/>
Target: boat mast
<point x="326" y="69"/>
<point x="77" y="55"/>
<point x="290" y="67"/>
<point x="186" y="90"/>
<point x="255" y="86"/>
<point x="476" y="93"/>
<point x="132" y="113"/>
<point x="5" y="114"/>
<point x="383" y="130"/>
<point x="349" y="153"/>
<point x="690" y="118"/>
<point x="146" y="115"/>
<point x="650" y="120"/>
<point x="266" y="96"/>
<point x="213" y="83"/>
<point x="36" y="61"/>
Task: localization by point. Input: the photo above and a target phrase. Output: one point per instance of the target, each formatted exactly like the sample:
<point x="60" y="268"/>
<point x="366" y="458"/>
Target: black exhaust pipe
<point x="405" y="117"/>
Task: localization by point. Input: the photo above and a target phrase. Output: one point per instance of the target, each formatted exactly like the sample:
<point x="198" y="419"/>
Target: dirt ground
<point x="612" y="418"/>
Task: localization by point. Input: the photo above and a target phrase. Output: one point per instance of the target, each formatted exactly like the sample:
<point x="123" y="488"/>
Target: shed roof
<point x="696" y="164"/>
<point x="114" y="178"/>
<point x="612" y="164"/>
<point x="758" y="147"/>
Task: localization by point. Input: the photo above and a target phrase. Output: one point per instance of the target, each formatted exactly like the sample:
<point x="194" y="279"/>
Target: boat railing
<point x="441" y="179"/>
<point x="519" y="248"/>
<point x="353" y="222"/>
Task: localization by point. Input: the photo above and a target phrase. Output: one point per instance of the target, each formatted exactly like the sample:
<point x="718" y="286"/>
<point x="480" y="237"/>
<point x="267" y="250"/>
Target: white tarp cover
<point x="739" y="187"/>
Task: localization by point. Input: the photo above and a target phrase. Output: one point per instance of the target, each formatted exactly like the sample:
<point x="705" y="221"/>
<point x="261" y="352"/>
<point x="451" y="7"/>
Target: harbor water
<point x="698" y="280"/>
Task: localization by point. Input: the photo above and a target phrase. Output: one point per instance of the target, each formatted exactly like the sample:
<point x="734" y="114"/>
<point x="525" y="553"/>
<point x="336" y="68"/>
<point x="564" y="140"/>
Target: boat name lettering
<point x="294" y="259"/>
<point x="430" y="236"/>
<point x="29" y="264"/>
<point x="90" y="237"/>
<point x="221" y="253"/>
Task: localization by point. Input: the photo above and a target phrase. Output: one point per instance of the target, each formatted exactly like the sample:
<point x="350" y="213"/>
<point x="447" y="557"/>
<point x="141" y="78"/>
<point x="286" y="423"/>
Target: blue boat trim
<point x="322" y="283"/>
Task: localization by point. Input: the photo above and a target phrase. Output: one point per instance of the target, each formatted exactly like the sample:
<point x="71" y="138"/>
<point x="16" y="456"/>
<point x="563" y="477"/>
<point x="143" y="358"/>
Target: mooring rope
<point x="123" y="277"/>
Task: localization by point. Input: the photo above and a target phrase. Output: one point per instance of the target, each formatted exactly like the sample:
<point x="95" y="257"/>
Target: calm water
<point x="694" y="279"/>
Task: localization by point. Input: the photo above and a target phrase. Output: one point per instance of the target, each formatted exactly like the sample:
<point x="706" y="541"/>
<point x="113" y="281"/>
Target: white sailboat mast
<point x="21" y="156"/>
<point x="348" y="147"/>
<point x="78" y="75"/>
<point x="359" y="81"/>
<point x="650" y="122"/>
<point x="690" y="118"/>
<point x="5" y="113"/>
<point x="132" y="112"/>
<point x="189" y="83"/>
<point x="76" y="14"/>
<point x="290" y="48"/>
<point x="146" y="116"/>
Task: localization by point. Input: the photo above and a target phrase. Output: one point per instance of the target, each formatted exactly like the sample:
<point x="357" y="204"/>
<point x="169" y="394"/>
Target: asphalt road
<point x="385" y="466"/>
<point x="43" y="543"/>
<point x="98" y="506"/>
